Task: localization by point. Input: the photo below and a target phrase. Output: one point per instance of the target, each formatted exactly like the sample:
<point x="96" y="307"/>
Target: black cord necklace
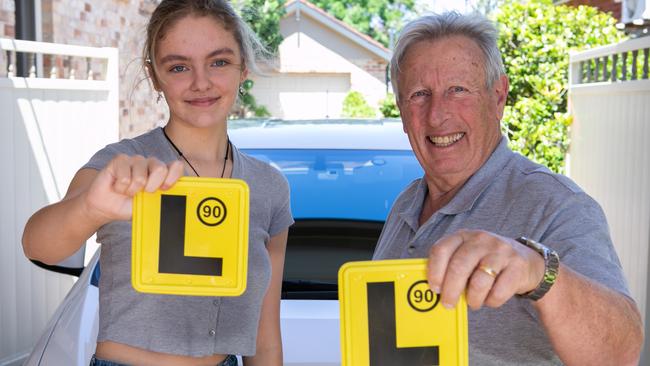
<point x="225" y="159"/>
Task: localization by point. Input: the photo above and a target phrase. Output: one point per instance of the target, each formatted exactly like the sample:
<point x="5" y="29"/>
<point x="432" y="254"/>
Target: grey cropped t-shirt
<point x="189" y="325"/>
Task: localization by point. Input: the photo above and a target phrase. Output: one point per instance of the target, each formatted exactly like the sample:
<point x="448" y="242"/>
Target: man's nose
<point x="437" y="109"/>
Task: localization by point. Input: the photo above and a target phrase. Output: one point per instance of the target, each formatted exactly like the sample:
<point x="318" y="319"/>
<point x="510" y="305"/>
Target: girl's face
<point x="199" y="69"/>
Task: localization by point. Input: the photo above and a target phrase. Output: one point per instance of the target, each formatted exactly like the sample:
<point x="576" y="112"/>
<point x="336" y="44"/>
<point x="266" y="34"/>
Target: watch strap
<point x="551" y="266"/>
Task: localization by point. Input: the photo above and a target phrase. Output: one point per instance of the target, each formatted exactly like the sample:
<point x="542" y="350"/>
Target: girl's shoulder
<point x="146" y="144"/>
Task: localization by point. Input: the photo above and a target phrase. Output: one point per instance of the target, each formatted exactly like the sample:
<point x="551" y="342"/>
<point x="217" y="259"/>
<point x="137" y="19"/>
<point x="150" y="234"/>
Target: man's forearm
<point x="590" y="324"/>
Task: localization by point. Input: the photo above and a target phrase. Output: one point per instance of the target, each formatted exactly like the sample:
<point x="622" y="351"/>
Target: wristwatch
<point x="551" y="264"/>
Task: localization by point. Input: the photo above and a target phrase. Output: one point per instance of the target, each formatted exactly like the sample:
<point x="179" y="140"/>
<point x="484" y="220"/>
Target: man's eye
<point x="220" y="63"/>
<point x="458" y="89"/>
<point x="419" y="93"/>
<point x="178" y="68"/>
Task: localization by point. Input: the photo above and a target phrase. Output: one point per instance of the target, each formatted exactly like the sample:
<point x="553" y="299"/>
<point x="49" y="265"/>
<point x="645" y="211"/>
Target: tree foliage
<point x="263" y="16"/>
<point x="355" y="106"/>
<point x="376" y="18"/>
<point x="535" y="39"/>
<point x="486" y="7"/>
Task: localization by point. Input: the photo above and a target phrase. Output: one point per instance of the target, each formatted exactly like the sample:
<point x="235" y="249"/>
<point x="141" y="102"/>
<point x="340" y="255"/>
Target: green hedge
<point x="535" y="39"/>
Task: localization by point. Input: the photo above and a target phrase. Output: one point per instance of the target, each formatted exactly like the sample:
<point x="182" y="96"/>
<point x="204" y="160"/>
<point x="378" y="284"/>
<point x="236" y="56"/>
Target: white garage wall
<point x="317" y="68"/>
<point x="301" y="96"/>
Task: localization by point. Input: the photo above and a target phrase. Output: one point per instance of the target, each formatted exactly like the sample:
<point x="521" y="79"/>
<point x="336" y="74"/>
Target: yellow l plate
<point x="191" y="239"/>
<point x="389" y="316"/>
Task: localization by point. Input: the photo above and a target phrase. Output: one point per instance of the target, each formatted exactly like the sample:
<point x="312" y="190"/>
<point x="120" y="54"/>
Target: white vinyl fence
<point x="609" y="97"/>
<point x="49" y="127"/>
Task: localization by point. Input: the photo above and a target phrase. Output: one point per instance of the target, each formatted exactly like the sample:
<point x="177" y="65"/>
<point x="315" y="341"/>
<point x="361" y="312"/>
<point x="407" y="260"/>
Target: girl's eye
<point x="178" y="68"/>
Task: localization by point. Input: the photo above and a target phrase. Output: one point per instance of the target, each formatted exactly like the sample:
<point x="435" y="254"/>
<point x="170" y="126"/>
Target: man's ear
<point x="500" y="89"/>
<point x="399" y="108"/>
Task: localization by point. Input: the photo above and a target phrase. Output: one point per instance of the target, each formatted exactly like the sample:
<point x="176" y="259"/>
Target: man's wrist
<point x="551" y="266"/>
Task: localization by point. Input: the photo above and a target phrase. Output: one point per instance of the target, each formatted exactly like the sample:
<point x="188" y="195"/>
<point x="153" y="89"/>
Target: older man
<point x="529" y="248"/>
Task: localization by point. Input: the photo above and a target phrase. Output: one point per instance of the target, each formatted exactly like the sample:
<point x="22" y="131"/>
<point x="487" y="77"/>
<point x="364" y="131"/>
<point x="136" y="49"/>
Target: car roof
<point x="352" y="134"/>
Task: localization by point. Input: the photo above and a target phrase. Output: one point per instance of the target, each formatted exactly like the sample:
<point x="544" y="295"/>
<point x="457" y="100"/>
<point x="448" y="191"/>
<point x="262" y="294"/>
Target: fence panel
<point x="50" y="127"/>
<point x="610" y="153"/>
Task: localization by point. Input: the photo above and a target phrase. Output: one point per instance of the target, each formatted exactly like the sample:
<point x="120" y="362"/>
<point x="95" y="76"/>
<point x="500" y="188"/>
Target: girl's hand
<point x="110" y="195"/>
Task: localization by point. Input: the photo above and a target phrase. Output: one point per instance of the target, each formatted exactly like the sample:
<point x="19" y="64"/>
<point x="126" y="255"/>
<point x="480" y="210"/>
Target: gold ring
<point x="489" y="271"/>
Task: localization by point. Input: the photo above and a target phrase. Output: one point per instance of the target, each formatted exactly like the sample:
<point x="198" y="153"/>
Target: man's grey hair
<point x="437" y="26"/>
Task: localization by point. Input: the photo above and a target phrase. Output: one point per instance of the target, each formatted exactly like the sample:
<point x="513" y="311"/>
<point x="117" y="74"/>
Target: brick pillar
<point x="7" y="19"/>
<point x="606" y="6"/>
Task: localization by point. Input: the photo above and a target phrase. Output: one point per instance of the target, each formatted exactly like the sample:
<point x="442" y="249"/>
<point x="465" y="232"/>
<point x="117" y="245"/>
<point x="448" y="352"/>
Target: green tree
<point x="263" y="16"/>
<point x="355" y="106"/>
<point x="535" y="39"/>
<point x="486" y="7"/>
<point x="376" y="18"/>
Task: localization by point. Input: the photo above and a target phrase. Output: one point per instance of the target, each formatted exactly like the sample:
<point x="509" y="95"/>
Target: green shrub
<point x="355" y="106"/>
<point x="388" y="107"/>
<point x="246" y="106"/>
<point x="535" y="39"/>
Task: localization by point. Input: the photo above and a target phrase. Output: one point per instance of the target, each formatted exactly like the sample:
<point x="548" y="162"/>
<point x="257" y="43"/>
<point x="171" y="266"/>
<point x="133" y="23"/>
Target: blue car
<point x="344" y="176"/>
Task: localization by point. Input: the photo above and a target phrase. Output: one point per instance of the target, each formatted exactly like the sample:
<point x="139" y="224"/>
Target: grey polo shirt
<point x="189" y="325"/>
<point x="510" y="196"/>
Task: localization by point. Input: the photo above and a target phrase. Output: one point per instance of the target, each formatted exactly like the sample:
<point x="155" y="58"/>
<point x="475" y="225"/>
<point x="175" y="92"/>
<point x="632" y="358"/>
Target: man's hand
<point x="489" y="268"/>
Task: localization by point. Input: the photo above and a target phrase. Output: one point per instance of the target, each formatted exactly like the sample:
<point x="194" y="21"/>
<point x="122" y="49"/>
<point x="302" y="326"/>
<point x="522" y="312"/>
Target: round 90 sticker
<point x="211" y="211"/>
<point x="421" y="298"/>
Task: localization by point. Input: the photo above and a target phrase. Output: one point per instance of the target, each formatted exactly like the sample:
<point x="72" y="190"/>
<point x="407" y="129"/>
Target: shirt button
<point x="215" y="302"/>
<point x="411" y="249"/>
<point x="212" y="332"/>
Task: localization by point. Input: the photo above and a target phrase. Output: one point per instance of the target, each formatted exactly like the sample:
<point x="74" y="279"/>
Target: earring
<point x="159" y="98"/>
<point x="241" y="90"/>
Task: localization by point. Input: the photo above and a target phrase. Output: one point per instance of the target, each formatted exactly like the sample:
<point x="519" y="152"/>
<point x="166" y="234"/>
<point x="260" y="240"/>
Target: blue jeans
<point x="229" y="361"/>
<point x="94" y="361"/>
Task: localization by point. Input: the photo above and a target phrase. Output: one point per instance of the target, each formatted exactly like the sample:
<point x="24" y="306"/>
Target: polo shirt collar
<point x="466" y="197"/>
<point x="411" y="214"/>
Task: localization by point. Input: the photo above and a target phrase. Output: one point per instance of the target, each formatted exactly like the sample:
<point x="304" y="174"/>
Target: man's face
<point x="450" y="116"/>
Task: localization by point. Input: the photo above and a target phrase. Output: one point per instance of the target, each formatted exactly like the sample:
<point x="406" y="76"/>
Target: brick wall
<point x="7" y="19"/>
<point x="608" y="6"/>
<point x="109" y="23"/>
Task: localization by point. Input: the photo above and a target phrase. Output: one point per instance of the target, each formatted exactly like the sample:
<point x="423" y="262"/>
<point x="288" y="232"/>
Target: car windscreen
<point x="342" y="184"/>
<point x="339" y="199"/>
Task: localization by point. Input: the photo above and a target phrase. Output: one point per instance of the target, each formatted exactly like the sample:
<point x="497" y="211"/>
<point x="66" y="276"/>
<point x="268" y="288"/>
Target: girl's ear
<point x="244" y="74"/>
<point x="152" y="76"/>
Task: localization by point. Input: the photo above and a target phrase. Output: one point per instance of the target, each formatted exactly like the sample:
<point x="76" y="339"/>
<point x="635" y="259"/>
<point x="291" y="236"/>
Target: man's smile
<point x="447" y="140"/>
